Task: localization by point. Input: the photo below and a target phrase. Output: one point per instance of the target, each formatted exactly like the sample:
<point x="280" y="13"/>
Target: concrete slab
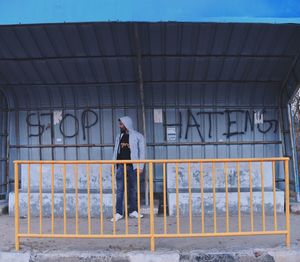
<point x="59" y="204"/>
<point x="71" y="204"/>
<point x="259" y="172"/>
<point x="221" y="204"/>
<point x="46" y="178"/>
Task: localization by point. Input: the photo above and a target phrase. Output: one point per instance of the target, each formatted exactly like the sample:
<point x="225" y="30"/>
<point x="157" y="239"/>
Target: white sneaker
<point x="117" y="217"/>
<point x="135" y="214"/>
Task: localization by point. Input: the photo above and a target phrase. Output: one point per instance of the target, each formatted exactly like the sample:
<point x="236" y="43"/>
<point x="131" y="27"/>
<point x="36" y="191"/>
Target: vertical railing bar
<point x="76" y="198"/>
<point x="65" y="198"/>
<point x="202" y="197"/>
<point x="239" y="196"/>
<point x="214" y="195"/>
<point x="52" y="198"/>
<point x="287" y="202"/>
<point x="152" y="228"/>
<point x="28" y="200"/>
<point x="165" y="197"/>
<point x="226" y="196"/>
<point x="138" y="198"/>
<point x="251" y="197"/>
<point x="190" y="198"/>
<point x="177" y="201"/>
<point x="101" y="197"/>
<point x="17" y="225"/>
<point x="89" y="198"/>
<point x="274" y="195"/>
<point x="113" y="197"/>
<point x="41" y="199"/>
<point x="263" y="196"/>
<point x="125" y="200"/>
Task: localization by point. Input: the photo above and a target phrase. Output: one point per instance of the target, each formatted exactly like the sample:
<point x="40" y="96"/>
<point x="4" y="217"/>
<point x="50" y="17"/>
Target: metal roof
<point x="257" y="56"/>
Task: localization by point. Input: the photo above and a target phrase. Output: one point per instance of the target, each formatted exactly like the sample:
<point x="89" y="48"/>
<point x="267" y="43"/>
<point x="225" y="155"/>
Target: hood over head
<point x="127" y="122"/>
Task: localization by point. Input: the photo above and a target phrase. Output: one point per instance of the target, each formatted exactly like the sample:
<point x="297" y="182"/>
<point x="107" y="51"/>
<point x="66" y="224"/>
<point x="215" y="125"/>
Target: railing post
<point x="287" y="201"/>
<point x="152" y="240"/>
<point x="17" y="240"/>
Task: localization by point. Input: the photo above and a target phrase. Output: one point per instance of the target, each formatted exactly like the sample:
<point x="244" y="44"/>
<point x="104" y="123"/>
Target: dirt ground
<point x="225" y="243"/>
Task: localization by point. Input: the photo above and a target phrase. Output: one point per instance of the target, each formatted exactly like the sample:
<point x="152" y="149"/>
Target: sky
<point x="60" y="11"/>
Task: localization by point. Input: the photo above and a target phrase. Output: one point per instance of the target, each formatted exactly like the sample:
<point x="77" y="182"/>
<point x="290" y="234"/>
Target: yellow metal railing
<point x="149" y="230"/>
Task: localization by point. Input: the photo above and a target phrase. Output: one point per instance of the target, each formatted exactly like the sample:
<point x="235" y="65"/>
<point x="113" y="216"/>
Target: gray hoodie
<point x="136" y="142"/>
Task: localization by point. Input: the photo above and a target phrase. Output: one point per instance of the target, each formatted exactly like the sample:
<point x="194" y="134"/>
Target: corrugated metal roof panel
<point x="213" y="55"/>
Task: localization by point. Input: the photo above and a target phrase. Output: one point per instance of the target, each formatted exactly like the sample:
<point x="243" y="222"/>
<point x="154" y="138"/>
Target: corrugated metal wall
<point x="208" y="106"/>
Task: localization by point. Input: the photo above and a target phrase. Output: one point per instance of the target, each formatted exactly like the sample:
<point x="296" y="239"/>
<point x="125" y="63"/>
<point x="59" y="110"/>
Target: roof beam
<point x="222" y="56"/>
<point x="148" y="82"/>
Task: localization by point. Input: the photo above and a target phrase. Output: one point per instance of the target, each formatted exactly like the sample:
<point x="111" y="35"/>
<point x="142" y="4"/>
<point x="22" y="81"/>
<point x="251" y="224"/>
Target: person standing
<point x="129" y="145"/>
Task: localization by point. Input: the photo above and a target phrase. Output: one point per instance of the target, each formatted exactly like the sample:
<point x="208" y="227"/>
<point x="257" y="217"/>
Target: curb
<point x="249" y="255"/>
<point x="14" y="257"/>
